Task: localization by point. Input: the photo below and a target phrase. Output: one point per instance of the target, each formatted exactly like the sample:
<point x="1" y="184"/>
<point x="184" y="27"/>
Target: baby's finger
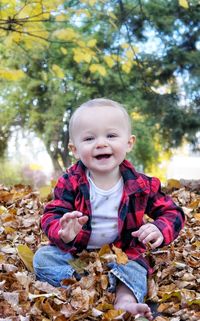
<point x="60" y="233"/>
<point x="74" y="214"/>
<point x="82" y="220"/>
<point x="145" y="235"/>
<point x="135" y="234"/>
<point x="68" y="216"/>
<point x="157" y="243"/>
<point x="150" y="238"/>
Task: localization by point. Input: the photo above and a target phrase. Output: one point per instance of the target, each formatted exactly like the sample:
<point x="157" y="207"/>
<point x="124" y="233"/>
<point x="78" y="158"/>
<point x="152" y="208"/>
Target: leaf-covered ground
<point x="173" y="290"/>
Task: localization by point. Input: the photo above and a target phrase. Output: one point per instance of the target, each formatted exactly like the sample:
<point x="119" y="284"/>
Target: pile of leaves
<point x="173" y="289"/>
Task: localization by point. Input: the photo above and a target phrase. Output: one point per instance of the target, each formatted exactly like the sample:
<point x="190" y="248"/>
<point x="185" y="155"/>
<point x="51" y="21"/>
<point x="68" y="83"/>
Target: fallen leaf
<point x="122" y="258"/>
<point x="26" y="255"/>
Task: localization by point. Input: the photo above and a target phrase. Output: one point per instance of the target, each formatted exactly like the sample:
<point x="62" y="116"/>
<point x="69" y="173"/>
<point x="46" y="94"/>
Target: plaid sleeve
<point x="168" y="217"/>
<point x="62" y="203"/>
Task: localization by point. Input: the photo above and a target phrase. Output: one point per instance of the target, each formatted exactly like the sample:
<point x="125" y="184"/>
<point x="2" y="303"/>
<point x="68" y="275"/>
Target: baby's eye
<point x="111" y="135"/>
<point x="88" y="139"/>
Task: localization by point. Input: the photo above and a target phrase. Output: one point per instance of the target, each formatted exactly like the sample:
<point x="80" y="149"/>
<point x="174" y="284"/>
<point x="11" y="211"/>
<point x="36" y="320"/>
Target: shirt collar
<point x="134" y="182"/>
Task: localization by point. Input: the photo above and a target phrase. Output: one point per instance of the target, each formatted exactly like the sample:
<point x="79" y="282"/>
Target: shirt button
<point x="84" y="227"/>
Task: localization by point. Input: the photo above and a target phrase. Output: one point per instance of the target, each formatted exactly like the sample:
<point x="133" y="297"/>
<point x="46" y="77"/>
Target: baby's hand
<point x="149" y="233"/>
<point x="71" y="224"/>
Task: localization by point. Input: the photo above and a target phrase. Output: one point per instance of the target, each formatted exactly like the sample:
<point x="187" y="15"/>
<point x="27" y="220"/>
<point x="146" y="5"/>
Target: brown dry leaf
<point x="78" y="264"/>
<point x="104" y="282"/>
<point x="197" y="216"/>
<point x="152" y="289"/>
<point x="105" y="249"/>
<point x="104" y="306"/>
<point x="110" y="315"/>
<point x="122" y="258"/>
<point x="159" y="318"/>
<point x="168" y="307"/>
<point x="174" y="285"/>
<point x="46" y="307"/>
<point x="173" y="184"/>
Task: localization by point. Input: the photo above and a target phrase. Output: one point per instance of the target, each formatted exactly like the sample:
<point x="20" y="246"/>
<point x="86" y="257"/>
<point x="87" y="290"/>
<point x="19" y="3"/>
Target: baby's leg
<point x="51" y="265"/>
<point x="126" y="300"/>
<point x="132" y="288"/>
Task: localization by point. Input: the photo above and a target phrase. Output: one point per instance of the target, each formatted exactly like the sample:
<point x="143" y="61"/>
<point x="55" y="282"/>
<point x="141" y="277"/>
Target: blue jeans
<point x="51" y="265"/>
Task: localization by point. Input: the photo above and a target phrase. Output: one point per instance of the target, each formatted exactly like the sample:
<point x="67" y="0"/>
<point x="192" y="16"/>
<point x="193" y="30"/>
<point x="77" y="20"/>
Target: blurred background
<point x="55" y="55"/>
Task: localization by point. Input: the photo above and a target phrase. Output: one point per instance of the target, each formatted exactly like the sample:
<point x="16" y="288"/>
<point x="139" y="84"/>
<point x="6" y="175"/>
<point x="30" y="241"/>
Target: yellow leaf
<point x="112" y="15"/>
<point x="112" y="314"/>
<point x="12" y="75"/>
<point x="60" y="18"/>
<point x="90" y="2"/>
<point x="110" y="62"/>
<point x="115" y="57"/>
<point x="122" y="258"/>
<point x="170" y="295"/>
<point x="14" y="37"/>
<point x="44" y="75"/>
<point x="26" y="255"/>
<point x="125" y="45"/>
<point x="9" y="230"/>
<point x="58" y="71"/>
<point x="137" y="116"/>
<point x="173" y="183"/>
<point x="3" y="210"/>
<point x="197" y="243"/>
<point x="126" y="67"/>
<point x="63" y="50"/>
<point x="81" y="43"/>
<point x="130" y="54"/>
<point x="51" y="5"/>
<point x="92" y="43"/>
<point x="184" y="4"/>
<point x="135" y="49"/>
<point x="3" y="33"/>
<point x="45" y="191"/>
<point x="105" y="249"/>
<point x="105" y="306"/>
<point x="81" y="55"/>
<point x="67" y="34"/>
<point x="98" y="68"/>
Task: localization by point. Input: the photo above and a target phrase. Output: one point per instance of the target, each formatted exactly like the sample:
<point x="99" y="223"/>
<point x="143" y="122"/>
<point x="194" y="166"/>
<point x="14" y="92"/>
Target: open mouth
<point x="103" y="156"/>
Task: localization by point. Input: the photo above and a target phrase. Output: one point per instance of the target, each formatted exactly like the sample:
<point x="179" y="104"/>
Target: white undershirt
<point x="104" y="205"/>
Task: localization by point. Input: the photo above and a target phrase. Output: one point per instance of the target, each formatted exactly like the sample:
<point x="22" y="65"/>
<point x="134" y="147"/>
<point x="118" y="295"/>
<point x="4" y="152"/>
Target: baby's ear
<point x="73" y="149"/>
<point x="131" y="142"/>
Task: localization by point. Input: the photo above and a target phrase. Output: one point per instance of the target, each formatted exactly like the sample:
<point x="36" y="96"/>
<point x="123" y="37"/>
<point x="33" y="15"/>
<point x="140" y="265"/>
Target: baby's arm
<point x="149" y="233"/>
<point x="168" y="218"/>
<point x="71" y="224"/>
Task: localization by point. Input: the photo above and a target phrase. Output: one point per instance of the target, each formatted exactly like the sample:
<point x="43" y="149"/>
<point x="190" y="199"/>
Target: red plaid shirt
<point x="141" y="195"/>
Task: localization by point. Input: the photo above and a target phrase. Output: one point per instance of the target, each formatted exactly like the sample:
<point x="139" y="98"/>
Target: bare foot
<point x="125" y="300"/>
<point x="140" y="309"/>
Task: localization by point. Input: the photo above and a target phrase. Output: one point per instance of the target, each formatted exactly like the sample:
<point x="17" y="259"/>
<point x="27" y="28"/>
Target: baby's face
<point x="101" y="137"/>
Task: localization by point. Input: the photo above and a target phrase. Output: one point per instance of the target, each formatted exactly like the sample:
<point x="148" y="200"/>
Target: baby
<point x="101" y="200"/>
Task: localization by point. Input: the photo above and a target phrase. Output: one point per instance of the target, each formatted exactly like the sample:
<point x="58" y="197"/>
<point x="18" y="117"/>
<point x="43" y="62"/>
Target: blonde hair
<point x="99" y="102"/>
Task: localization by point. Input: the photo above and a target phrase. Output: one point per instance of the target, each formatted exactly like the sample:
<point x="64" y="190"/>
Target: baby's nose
<point x="102" y="142"/>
